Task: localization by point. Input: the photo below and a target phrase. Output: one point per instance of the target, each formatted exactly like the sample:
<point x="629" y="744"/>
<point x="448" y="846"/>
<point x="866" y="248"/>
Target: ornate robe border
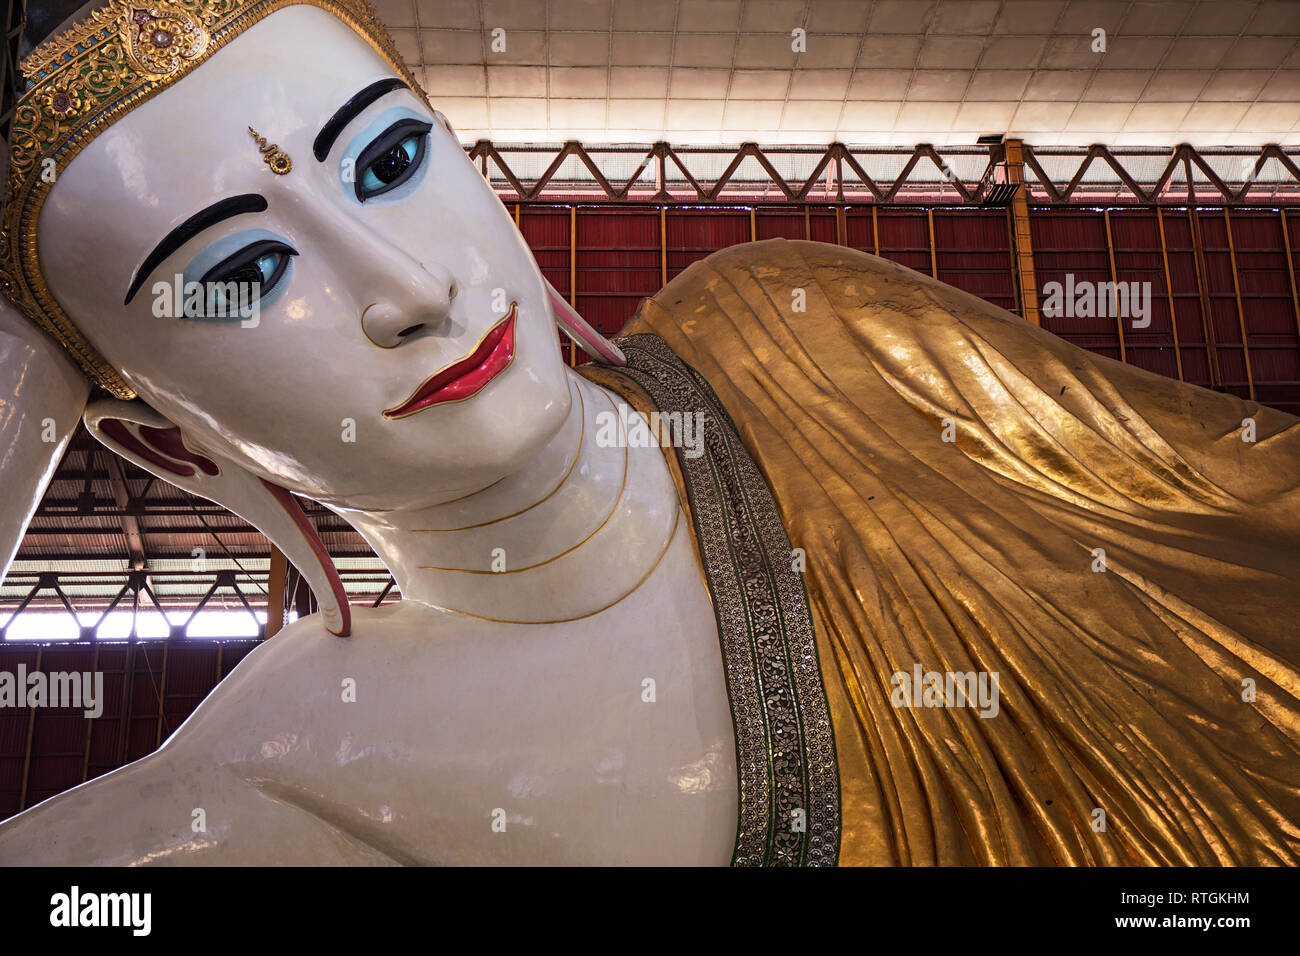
<point x="789" y="806"/>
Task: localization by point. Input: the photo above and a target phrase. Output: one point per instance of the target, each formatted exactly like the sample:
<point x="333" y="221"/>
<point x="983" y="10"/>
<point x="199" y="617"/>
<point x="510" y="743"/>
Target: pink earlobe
<point x="159" y="446"/>
<point x="338" y="619"/>
<point x="171" y="442"/>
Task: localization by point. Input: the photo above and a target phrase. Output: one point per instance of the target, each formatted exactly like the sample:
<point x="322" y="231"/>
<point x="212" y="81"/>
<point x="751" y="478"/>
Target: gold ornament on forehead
<point x="163" y="38"/>
<point x="82" y="81"/>
<point x="274" y="157"/>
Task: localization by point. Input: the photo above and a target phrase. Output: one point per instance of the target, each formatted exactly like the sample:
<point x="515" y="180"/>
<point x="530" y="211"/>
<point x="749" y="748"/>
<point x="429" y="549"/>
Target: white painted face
<point x="429" y="256"/>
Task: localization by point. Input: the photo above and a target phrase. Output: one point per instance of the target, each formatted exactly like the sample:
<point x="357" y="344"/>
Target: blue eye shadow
<point x="367" y="135"/>
<point x="227" y="246"/>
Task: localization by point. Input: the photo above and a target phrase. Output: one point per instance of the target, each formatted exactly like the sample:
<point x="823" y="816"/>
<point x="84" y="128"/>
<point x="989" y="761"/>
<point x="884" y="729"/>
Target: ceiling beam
<point x="913" y="185"/>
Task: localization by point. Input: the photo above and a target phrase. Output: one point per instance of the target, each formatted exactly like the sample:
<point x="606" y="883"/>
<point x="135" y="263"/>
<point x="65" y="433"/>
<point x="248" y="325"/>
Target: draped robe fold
<point x="974" y="494"/>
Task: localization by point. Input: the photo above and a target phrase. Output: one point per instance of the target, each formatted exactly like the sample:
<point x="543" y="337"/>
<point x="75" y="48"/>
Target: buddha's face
<point x="386" y="341"/>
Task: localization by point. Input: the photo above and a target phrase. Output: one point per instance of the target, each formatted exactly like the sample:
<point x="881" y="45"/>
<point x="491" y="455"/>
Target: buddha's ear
<point x="141" y="435"/>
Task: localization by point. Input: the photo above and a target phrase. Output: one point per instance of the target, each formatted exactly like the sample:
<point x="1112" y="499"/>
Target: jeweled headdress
<point x="83" y="80"/>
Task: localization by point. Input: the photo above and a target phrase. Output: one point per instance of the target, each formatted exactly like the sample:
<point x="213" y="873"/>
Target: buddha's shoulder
<point x="374" y="630"/>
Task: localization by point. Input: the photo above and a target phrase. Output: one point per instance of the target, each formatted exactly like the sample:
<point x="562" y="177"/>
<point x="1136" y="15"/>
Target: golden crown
<point x="86" y="78"/>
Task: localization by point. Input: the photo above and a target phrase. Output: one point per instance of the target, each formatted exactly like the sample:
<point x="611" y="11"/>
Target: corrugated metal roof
<point x="77" y="533"/>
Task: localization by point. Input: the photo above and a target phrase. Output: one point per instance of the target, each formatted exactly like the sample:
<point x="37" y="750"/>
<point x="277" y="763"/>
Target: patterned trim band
<point x="84" y="80"/>
<point x="785" y="748"/>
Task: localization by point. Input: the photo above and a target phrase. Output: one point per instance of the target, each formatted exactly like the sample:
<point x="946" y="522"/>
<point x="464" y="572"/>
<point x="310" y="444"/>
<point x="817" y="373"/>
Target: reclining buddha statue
<point x="898" y="579"/>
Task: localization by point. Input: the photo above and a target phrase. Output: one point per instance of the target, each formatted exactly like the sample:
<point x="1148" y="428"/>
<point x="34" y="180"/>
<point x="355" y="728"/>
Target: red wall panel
<point x="618" y="263"/>
<point x="1135" y="243"/>
<point x="692" y="234"/>
<point x="1073" y="243"/>
<point x="1225" y="328"/>
<point x="904" y="237"/>
<point x="1193" y="340"/>
<point x="973" y="249"/>
<point x="15" y="724"/>
<point x="620" y="257"/>
<point x="781" y="224"/>
<point x="821" y="224"/>
<point x="546" y="230"/>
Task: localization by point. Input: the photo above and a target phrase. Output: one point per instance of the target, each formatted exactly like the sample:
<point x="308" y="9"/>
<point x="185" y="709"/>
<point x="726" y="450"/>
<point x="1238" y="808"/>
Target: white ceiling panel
<point x="1208" y="72"/>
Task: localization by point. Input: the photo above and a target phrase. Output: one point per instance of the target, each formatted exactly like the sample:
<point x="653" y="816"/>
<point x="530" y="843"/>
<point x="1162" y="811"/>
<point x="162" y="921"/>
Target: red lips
<point x="465" y="378"/>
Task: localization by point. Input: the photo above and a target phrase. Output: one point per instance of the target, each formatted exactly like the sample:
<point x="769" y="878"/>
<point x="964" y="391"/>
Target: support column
<point x="1290" y="271"/>
<point x="573" y="274"/>
<point x="162" y="697"/>
<point x="1012" y="269"/>
<point x="663" y="246"/>
<point x="128" y="691"/>
<point x="1169" y="293"/>
<point x="275" y="587"/>
<point x="1022" y="246"/>
<point x="1207" y="319"/>
<point x="90" y="727"/>
<point x="31" y="735"/>
<point x="1114" y="284"/>
<point x="1241" y="313"/>
<point x="934" y="258"/>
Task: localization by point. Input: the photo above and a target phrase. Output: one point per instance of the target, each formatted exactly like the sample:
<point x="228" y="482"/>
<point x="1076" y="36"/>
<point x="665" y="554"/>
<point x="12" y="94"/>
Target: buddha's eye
<point x="391" y="159"/>
<point x="244" y="278"/>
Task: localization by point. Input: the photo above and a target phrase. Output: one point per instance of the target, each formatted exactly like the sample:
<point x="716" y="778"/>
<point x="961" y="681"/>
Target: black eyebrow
<point x="217" y="212"/>
<point x="348" y="112"/>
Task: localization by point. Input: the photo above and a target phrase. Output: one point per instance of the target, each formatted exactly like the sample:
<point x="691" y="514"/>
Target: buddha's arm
<point x="168" y="809"/>
<point x="212" y="794"/>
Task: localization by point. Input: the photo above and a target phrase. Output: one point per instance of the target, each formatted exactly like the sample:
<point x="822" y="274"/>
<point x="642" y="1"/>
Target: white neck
<point x="572" y="533"/>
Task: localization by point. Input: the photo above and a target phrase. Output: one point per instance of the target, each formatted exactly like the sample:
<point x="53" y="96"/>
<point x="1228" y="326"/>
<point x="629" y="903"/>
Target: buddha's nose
<point x="421" y="305"/>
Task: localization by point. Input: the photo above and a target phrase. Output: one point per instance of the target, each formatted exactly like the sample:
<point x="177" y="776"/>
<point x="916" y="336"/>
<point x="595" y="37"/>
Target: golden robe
<point x="1111" y="543"/>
